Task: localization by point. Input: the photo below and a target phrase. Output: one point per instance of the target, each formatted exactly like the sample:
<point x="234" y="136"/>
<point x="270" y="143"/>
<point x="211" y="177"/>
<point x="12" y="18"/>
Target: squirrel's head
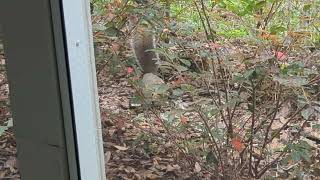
<point x="133" y="21"/>
<point x="136" y="21"/>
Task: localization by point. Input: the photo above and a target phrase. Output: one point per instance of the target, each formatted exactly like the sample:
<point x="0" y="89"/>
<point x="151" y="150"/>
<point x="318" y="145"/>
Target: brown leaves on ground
<point x="8" y="162"/>
<point x="129" y="153"/>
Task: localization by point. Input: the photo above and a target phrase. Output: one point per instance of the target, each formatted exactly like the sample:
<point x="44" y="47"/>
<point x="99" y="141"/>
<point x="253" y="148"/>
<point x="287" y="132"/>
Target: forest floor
<point x="125" y="156"/>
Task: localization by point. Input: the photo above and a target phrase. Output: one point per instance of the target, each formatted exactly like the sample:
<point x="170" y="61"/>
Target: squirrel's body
<point x="143" y="40"/>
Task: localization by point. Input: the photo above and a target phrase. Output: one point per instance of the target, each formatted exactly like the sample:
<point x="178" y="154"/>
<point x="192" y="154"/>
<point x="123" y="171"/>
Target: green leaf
<point x="177" y="92"/>
<point x="300" y="150"/>
<point x="211" y="158"/>
<point x="306" y="113"/>
<point x="248" y="73"/>
<point x="305" y="155"/>
<point x="170" y="116"/>
<point x="217" y="133"/>
<point x="273" y="133"/>
<point x="185" y="62"/>
<point x="181" y="68"/>
<point x="166" y="65"/>
<point x="136" y="99"/>
<point x="211" y="37"/>
<point x="98" y="27"/>
<point x="238" y="78"/>
<point x="210" y="111"/>
<point x="162" y="89"/>
<point x="304" y="145"/>
<point x="10" y="123"/>
<point x="295" y="68"/>
<point x="316" y="127"/>
<point x="291" y="81"/>
<point x="3" y="129"/>
<point x="307" y="7"/>
<point x="295" y="156"/>
<point x="260" y="5"/>
<point x="187" y="87"/>
<point x="276" y="29"/>
<point x="112" y="31"/>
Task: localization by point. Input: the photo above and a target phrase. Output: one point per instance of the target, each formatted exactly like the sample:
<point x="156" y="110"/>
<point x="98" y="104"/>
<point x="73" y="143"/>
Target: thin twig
<point x="212" y="32"/>
<point x="212" y="139"/>
<point x="202" y="20"/>
<point x="252" y="125"/>
<point x="269" y="127"/>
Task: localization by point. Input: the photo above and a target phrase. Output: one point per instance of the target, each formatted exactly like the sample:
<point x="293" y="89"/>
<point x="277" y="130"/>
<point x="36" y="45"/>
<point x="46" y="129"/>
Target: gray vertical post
<point x="44" y="94"/>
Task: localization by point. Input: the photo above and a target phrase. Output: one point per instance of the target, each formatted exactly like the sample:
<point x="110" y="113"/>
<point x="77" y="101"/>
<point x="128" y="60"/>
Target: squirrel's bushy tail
<point x="143" y="40"/>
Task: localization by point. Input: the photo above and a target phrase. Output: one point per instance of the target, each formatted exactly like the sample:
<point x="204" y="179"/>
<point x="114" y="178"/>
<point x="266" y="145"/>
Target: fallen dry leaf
<point x="2" y="174"/>
<point x="121" y="148"/>
<point x="197" y="167"/>
<point x="107" y="156"/>
<point x="11" y="163"/>
<point x="172" y="168"/>
<point x="129" y="170"/>
<point x="150" y="175"/>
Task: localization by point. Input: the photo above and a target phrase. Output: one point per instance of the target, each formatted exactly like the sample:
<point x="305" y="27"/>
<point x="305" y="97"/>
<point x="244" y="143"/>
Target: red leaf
<point x="237" y="144"/>
<point x="184" y="120"/>
<point x="280" y="55"/>
<point x="130" y="70"/>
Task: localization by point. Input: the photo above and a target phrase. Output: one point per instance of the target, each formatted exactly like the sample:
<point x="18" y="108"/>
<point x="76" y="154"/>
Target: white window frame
<point x="78" y="27"/>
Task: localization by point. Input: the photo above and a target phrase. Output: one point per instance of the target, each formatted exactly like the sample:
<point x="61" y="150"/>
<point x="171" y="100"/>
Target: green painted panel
<point x="39" y="89"/>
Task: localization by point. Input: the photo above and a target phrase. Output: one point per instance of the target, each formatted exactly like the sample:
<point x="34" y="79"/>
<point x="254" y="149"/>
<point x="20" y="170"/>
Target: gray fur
<point x="143" y="40"/>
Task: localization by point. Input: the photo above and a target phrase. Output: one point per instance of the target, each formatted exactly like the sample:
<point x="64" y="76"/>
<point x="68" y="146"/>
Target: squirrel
<point x="143" y="40"/>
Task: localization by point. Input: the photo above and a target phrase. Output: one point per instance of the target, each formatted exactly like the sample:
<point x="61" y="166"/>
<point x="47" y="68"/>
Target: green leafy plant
<point x="7" y="125"/>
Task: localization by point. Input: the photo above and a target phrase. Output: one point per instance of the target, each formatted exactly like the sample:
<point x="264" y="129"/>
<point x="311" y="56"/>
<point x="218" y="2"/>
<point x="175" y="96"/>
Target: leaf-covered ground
<point x="8" y="160"/>
<point x="128" y="150"/>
